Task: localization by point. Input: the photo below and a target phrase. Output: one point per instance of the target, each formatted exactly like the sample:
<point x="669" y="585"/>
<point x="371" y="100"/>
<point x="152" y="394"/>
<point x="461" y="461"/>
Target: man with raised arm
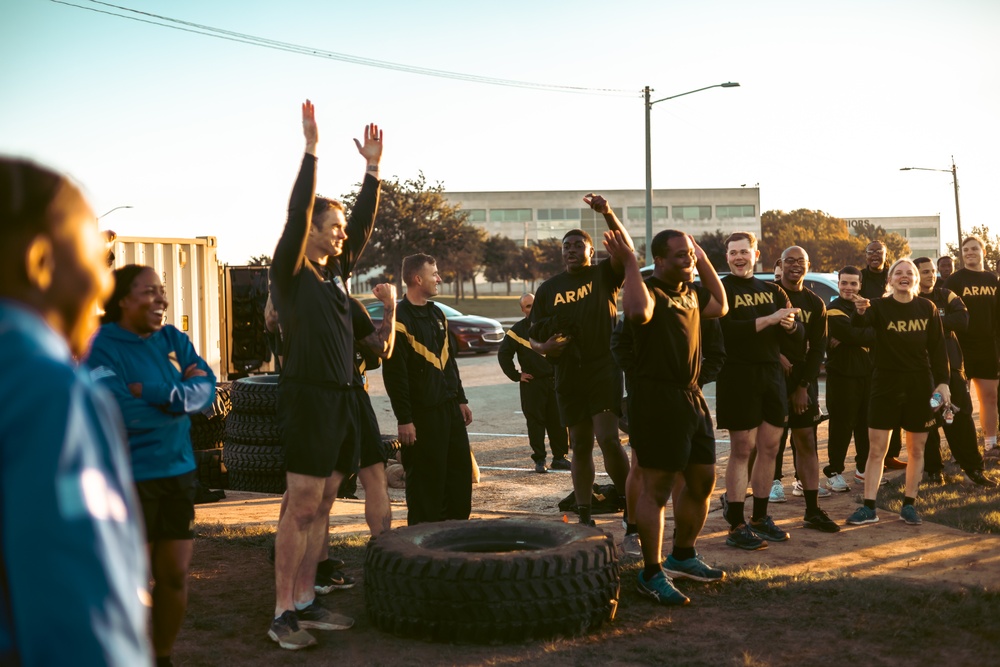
<point x="664" y="314"/>
<point x="572" y="319"/>
<point x="317" y="408"/>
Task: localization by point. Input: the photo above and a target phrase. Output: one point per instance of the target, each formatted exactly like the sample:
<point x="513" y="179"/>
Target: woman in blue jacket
<point x="158" y="380"/>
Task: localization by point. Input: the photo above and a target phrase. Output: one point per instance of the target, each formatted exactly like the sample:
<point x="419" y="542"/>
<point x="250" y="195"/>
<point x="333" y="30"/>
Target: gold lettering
<point x="559" y="299"/>
<point x="805" y="316"/>
<point x="907" y="325"/>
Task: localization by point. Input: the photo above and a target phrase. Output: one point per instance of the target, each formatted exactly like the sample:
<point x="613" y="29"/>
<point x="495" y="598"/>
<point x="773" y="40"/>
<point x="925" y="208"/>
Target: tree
<point x="502" y="260"/>
<point x="896" y="246"/>
<point x="714" y="245"/>
<point x="827" y="240"/>
<point x="260" y="260"/>
<point x="991" y="260"/>
<point x="461" y="257"/>
<point x="415" y="217"/>
<point x="550" y="259"/>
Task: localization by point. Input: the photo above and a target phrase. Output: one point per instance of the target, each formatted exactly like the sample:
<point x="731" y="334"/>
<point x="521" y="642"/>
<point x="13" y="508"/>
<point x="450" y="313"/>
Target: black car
<point x="468" y="333"/>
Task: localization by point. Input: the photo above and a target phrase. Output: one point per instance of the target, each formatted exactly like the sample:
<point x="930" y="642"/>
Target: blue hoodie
<point x="73" y="561"/>
<point x="157" y="423"/>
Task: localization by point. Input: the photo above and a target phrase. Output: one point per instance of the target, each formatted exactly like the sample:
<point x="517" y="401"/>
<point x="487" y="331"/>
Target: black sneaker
<point x="819" y="520"/>
<point x="540" y="468"/>
<point x="335" y="581"/>
<point x="979" y="479"/>
<point x="742" y="537"/>
<point x="329" y="566"/>
<point x="766" y="529"/>
<point x="286" y="631"/>
<point x="561" y="463"/>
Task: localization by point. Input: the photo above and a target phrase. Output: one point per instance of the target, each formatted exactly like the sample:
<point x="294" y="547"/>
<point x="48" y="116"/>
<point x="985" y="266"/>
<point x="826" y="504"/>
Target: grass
<point x="486" y="306"/>
<point x="957" y="503"/>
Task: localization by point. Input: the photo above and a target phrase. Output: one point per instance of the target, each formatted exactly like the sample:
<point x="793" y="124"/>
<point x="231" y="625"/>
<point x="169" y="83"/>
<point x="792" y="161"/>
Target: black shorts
<point x="319" y="428"/>
<point x="748" y="395"/>
<point x="983" y="367"/>
<point x="901" y="400"/>
<point x="589" y="390"/>
<point x="168" y="507"/>
<point x="369" y="432"/>
<point x="810" y="417"/>
<point x="669" y="428"/>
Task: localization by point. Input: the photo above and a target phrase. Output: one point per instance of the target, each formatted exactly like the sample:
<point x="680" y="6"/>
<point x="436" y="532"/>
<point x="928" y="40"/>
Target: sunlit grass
<point x="957" y="503"/>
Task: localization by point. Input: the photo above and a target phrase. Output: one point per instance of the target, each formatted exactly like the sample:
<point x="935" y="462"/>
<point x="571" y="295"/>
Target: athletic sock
<point x="734" y="514"/>
<point x="870" y="504"/>
<point x="991" y="442"/>
<point x="631" y="528"/>
<point x="299" y="606"/>
<point x="683" y="553"/>
<point x="650" y="571"/>
<point x="584" y="512"/>
<point x="908" y="501"/>
<point x="812" y="500"/>
<point x="759" y="508"/>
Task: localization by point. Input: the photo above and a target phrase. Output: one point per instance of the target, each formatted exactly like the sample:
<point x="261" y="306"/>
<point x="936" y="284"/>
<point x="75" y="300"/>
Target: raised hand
<point x="309" y="127"/>
<point x="617" y="246"/>
<point x="371" y="150"/>
<point x="699" y="253"/>
<point x="597" y="202"/>
<point x="386" y="293"/>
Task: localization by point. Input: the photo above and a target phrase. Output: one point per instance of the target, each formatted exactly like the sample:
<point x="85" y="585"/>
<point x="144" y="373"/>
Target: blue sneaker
<point x="910" y="516"/>
<point x="661" y="589"/>
<point x="861" y="516"/>
<point x="693" y="568"/>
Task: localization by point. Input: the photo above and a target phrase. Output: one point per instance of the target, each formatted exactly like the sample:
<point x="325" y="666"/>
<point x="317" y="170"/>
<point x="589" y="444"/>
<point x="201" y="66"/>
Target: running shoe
<point x="561" y="463"/>
<point x="766" y="529"/>
<point x="631" y="546"/>
<point x="693" y="568"/>
<point x="861" y="516"/>
<point x="329" y="566"/>
<point x="892" y="463"/>
<point x="777" y="492"/>
<point x="540" y="468"/>
<point x="661" y="589"/>
<point x="820" y="520"/>
<point x="334" y="581"/>
<point x="859" y="478"/>
<point x="837" y="483"/>
<point x="318" y="617"/>
<point x="742" y="537"/>
<point x="910" y="516"/>
<point x="799" y="491"/>
<point x="979" y="479"/>
<point x="286" y="631"/>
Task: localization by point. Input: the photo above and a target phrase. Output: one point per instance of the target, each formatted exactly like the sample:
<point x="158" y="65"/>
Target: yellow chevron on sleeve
<point x="834" y="312"/>
<point x="517" y="339"/>
<point x="434" y="360"/>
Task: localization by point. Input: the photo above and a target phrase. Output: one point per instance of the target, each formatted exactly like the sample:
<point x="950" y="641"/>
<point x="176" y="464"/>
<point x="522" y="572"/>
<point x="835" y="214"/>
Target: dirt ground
<point x="804" y="620"/>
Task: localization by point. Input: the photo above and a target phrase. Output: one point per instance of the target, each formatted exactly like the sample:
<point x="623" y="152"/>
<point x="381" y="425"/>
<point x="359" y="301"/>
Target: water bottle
<point x="937" y="400"/>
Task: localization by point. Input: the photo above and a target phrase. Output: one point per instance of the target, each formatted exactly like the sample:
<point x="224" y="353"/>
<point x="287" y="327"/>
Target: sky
<point x="202" y="136"/>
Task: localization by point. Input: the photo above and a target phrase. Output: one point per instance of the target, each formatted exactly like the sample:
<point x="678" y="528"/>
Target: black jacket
<point x="517" y="342"/>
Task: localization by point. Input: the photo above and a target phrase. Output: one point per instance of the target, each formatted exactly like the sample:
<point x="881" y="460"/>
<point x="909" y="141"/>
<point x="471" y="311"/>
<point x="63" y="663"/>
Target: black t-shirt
<point x="908" y="336"/>
<point x="873" y="284"/>
<point x="850" y="356"/>
<point x="978" y="291"/>
<point x="588" y="299"/>
<point x="750" y="298"/>
<point x="668" y="347"/>
<point x="807" y="356"/>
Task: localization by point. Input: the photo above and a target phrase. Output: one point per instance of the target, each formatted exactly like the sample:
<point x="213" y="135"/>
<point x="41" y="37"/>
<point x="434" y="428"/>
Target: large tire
<point x="211" y="471"/>
<point x="491" y="581"/>
<point x="246" y="458"/>
<point x="247" y="429"/>
<point x="261" y="482"/>
<point x="255" y="395"/>
<point x="207" y="433"/>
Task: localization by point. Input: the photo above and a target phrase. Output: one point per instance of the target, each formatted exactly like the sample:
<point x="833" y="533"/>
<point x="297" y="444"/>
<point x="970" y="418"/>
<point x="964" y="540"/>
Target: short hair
<point x="973" y="237"/>
<point x="742" y="236"/>
<point x="878" y="243"/>
<point x="777" y="262"/>
<point x="321" y="205"/>
<point x="26" y="192"/>
<point x="578" y="232"/>
<point x="412" y="265"/>
<point x="662" y="241"/>
<point x="917" y="261"/>
<point x="124" y="277"/>
<point x="851" y="271"/>
<point x="945" y="257"/>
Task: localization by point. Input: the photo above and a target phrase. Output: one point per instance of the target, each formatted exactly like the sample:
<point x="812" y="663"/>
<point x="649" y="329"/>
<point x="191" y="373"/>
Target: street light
<point x="112" y="211"/>
<point x="649" y="159"/>
<point x="954" y="175"/>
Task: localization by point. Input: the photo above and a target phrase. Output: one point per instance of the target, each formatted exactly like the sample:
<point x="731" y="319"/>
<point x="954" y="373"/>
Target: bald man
<point x="538" y="394"/>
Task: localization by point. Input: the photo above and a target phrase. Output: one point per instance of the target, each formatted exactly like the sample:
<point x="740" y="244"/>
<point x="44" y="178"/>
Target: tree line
<point x="415" y="216"/>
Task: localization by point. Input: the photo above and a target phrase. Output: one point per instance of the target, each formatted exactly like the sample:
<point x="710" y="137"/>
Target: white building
<point x="923" y="232"/>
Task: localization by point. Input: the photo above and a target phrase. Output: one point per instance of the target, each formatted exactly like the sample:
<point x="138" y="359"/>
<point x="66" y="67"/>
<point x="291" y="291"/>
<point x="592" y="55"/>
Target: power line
<point x="252" y="40"/>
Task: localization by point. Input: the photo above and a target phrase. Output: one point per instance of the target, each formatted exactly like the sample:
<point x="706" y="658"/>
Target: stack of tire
<point x="253" y="453"/>
<point x="207" y="437"/>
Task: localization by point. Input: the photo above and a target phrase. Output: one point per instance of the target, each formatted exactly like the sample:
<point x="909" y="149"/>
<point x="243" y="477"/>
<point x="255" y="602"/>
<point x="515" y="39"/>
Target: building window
<point x="593" y="223"/>
<point x="692" y="212"/>
<point x="726" y="212"/>
<point x="558" y="214"/>
<point x="510" y="214"/>
<point x="476" y="214"/>
<point x="923" y="232"/>
<point x="639" y="212"/>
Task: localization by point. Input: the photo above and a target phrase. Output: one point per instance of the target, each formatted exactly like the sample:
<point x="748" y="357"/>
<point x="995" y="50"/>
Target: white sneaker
<point x="631" y="546"/>
<point x="837" y="484"/>
<point x="777" y="493"/>
<point x="859" y="478"/>
<point x="798" y="491"/>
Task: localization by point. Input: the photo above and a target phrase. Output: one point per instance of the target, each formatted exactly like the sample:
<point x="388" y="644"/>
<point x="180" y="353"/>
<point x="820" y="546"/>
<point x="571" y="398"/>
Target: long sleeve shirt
<point x="749" y="299"/>
<point x="517" y="344"/>
<point x="909" y="337"/>
<point x="809" y="357"/>
<point x="850" y="357"/>
<point x="954" y="319"/>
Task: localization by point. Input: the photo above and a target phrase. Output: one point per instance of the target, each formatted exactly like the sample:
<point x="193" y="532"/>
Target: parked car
<point x="468" y="333"/>
<point x="824" y="285"/>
